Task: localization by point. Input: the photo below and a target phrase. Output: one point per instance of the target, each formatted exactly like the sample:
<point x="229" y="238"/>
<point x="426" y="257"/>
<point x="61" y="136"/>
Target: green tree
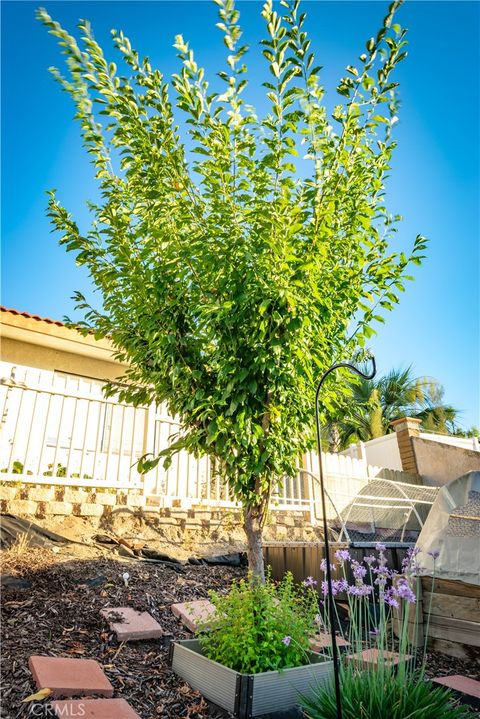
<point x="376" y="403"/>
<point x="236" y="260"/>
<point x="470" y="432"/>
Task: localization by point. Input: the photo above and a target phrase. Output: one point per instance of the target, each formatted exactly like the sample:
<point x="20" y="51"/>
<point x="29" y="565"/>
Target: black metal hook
<point x="355" y="370"/>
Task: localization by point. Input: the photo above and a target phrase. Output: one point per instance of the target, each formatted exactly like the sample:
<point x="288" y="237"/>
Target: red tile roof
<point x="32" y="317"/>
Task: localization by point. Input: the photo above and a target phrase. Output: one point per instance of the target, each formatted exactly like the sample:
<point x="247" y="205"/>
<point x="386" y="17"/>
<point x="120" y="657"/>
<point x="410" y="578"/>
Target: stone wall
<point x="224" y="525"/>
<point x="41" y="500"/>
<point x="109" y="508"/>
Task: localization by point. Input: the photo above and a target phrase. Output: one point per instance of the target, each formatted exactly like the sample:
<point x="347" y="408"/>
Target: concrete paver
<point x="69" y="677"/>
<point x="130" y="625"/>
<point x="94" y="709"/>
<point x="372" y="657"/>
<point x="323" y="640"/>
<point x="464" y="685"/>
<point x="193" y="614"/>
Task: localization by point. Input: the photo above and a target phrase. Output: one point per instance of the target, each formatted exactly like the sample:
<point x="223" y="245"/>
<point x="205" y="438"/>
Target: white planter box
<point x="247" y="695"/>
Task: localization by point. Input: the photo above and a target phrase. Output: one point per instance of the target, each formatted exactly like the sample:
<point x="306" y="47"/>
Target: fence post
<point x="311" y="501"/>
<point x="361" y="454"/>
<point x="150" y="480"/>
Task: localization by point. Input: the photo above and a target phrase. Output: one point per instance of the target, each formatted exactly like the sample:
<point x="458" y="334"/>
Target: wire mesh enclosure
<point x="385" y="510"/>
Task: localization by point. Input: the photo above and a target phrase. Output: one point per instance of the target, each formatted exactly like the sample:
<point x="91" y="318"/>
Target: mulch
<point x="443" y="665"/>
<point x="52" y="607"/>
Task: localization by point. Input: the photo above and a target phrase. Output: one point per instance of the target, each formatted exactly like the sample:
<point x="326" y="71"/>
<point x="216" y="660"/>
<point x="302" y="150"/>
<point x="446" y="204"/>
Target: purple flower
<point x="383" y="573"/>
<point x="369" y="559"/>
<point x="341" y="585"/>
<point x="358" y="571"/>
<point x="410" y="556"/>
<point x="360" y="590"/>
<point x="404" y="591"/>
<point x="435" y="553"/>
<point x="310" y="582"/>
<point x="390" y="599"/>
<point x="365" y="590"/>
<point x="380" y="547"/>
<point x="410" y="564"/>
<point x="323" y="566"/>
<point x="343" y="555"/>
<point x="286" y="640"/>
<point x="375" y="632"/>
<point x="324" y="586"/>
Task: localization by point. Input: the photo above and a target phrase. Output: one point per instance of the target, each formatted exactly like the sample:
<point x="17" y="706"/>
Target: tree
<point x="231" y="270"/>
<point x="376" y="403"/>
<point x="470" y="432"/>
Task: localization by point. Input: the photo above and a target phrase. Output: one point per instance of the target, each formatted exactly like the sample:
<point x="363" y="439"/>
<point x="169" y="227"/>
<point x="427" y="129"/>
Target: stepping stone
<point x="94" y="709"/>
<point x="130" y="625"/>
<point x="69" y="677"/>
<point x="322" y="641"/>
<point x="468" y="688"/>
<point x="192" y="614"/>
<point x="371" y="658"/>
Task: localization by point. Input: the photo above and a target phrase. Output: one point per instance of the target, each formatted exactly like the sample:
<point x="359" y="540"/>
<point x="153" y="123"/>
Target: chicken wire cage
<point x="383" y="510"/>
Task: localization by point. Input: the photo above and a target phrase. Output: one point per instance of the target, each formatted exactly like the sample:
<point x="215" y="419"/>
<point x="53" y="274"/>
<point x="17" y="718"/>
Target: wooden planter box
<point x="247" y="695"/>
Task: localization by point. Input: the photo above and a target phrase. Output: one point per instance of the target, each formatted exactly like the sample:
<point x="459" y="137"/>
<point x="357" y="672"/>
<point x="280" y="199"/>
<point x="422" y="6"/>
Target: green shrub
<point x="261" y="627"/>
<point x="61" y="471"/>
<point x="383" y="694"/>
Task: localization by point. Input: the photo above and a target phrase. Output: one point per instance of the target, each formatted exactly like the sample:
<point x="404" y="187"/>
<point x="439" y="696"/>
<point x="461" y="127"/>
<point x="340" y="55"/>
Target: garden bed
<point x="247" y="695"/>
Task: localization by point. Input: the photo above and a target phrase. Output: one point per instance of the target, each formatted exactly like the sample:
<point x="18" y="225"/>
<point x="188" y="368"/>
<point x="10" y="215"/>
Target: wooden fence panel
<point x="454" y="625"/>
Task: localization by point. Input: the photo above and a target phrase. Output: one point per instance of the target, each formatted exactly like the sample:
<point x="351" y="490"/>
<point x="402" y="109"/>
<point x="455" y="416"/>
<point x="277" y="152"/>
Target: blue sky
<point x="434" y="182"/>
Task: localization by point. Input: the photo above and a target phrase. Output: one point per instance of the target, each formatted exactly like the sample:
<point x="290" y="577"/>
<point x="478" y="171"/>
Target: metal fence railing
<point x="77" y="436"/>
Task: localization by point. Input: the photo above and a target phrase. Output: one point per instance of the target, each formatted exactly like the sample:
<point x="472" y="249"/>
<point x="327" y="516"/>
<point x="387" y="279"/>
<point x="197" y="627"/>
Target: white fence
<point x="48" y="433"/>
<point x="74" y="435"/>
<point x="384" y="451"/>
<point x="381" y="451"/>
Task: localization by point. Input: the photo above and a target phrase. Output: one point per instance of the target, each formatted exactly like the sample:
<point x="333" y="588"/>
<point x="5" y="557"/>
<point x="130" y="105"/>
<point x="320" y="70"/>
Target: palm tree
<point x="375" y="404"/>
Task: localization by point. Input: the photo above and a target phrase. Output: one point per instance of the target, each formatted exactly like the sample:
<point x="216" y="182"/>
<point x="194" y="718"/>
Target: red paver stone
<point x="94" y="709"/>
<point x="322" y="640"/>
<point x="192" y="614"/>
<point x="370" y="657"/>
<point x="69" y="677"/>
<point x="465" y="685"/>
<point x="133" y="625"/>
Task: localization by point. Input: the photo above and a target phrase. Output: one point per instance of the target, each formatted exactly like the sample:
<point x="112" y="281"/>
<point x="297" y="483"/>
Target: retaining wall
<point x="101" y="507"/>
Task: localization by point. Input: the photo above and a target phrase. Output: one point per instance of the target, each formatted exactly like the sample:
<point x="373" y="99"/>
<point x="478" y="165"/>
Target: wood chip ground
<point x="55" y="610"/>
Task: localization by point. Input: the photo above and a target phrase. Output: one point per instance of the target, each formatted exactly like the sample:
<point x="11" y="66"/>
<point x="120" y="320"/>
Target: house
<point x="56" y="421"/>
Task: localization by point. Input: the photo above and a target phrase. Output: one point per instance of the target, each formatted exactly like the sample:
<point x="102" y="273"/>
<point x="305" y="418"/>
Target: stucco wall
<point x="31" y="341"/>
<point x="439" y="463"/>
<point x="46" y="358"/>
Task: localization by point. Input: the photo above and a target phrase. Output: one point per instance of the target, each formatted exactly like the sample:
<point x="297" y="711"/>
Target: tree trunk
<point x="334" y="438"/>
<point x="252" y="524"/>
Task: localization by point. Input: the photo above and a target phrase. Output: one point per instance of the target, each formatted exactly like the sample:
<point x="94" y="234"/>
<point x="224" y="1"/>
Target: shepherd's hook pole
<point x="336" y="671"/>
